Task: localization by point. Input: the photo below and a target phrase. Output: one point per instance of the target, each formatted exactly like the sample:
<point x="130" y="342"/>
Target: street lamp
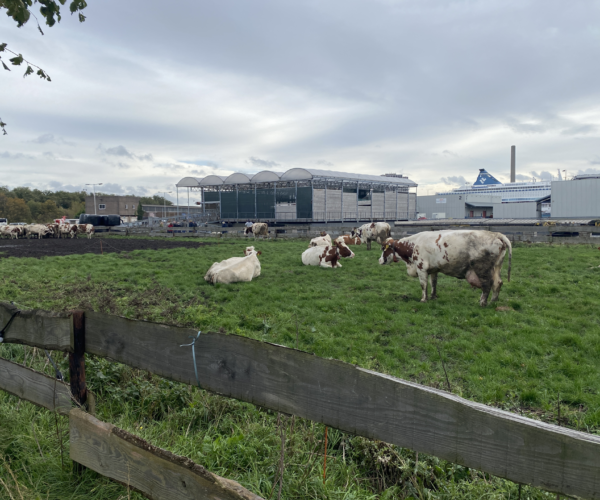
<point x="165" y="201"/>
<point x="94" y="190"/>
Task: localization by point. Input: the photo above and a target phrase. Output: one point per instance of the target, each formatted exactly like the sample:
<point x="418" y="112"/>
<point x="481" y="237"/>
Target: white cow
<point x="235" y="269"/>
<point x="373" y="231"/>
<point x="326" y="256"/>
<point x="39" y="230"/>
<point x="12" y="232"/>
<point x="476" y="256"/>
<point x="320" y="241"/>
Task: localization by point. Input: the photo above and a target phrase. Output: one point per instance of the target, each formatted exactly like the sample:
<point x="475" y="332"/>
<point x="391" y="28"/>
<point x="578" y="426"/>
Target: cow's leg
<point x="497" y="284"/>
<point x="423" y="279"/>
<point x="368" y="244"/>
<point x="433" y="283"/>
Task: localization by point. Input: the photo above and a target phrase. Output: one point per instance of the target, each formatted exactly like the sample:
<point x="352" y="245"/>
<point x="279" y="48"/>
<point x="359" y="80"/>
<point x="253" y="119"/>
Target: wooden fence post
<point x="77" y="368"/>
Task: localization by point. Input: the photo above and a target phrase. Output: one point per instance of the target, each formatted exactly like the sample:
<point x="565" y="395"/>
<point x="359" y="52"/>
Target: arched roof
<point x="266" y="176"/>
<point x="188" y="182"/>
<point x="237" y="178"/>
<point x="212" y="180"/>
<point x="296" y="174"/>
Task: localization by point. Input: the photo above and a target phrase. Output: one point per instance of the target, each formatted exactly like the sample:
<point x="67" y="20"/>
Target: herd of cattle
<point x="476" y="256"/>
<point x="47" y="230"/>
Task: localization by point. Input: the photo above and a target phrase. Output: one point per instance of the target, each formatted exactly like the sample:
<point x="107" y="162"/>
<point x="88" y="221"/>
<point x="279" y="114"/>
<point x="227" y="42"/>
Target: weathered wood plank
<point x="37" y="328"/>
<point x="35" y="387"/>
<point x="157" y="473"/>
<point x="359" y="401"/>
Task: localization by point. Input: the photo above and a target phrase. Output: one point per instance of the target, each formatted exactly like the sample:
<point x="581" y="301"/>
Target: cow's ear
<point x="259" y="253"/>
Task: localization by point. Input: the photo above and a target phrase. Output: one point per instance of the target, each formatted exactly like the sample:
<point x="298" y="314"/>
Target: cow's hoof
<point x="423" y="300"/>
<point x="433" y="297"/>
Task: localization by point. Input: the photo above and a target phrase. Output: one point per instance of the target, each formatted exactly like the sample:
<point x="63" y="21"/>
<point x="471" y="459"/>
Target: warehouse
<point x="306" y="195"/>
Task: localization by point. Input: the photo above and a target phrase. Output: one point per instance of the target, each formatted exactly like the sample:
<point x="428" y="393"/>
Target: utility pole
<point x="94" y="191"/>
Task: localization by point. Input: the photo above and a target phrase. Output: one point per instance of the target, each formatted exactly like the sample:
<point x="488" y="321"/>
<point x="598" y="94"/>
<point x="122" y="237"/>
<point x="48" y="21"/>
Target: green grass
<point x="363" y="313"/>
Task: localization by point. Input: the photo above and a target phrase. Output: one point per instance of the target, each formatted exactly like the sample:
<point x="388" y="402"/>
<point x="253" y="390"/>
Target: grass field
<point x="547" y="344"/>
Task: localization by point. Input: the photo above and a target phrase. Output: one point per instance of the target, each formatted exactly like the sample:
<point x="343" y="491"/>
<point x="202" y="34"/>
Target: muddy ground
<point x="52" y="247"/>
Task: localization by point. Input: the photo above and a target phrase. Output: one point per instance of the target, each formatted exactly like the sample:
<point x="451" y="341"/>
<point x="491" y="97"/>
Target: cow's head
<point x="248" y="230"/>
<point x="331" y="254"/>
<point x="354" y="232"/>
<point x="323" y="233"/>
<point x="388" y="252"/>
<point x="344" y="250"/>
<point x="249" y="250"/>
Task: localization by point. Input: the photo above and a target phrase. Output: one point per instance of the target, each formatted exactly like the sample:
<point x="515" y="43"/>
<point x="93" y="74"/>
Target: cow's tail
<point x="509" y="246"/>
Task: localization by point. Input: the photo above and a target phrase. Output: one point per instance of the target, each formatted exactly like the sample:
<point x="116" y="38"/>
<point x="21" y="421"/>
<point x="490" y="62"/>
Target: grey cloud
<point x="454" y="180"/>
<point x="526" y="128"/>
<point x="449" y="153"/>
<point x="123" y="166"/>
<point x="257" y="162"/>
<point x="59" y="186"/>
<point x="589" y="170"/>
<point x="118" y="151"/>
<point x="51" y="139"/>
<point x="123" y="152"/>
<point x="580" y="130"/>
<point x="146" y="157"/>
<point x="15" y="156"/>
<point x="199" y="173"/>
<point x="596" y="160"/>
<point x="200" y="163"/>
<point x="49" y="155"/>
<point x="543" y="175"/>
<point x="324" y="163"/>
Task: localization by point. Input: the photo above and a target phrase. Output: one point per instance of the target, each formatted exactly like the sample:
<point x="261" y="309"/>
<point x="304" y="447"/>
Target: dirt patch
<point x="52" y="247"/>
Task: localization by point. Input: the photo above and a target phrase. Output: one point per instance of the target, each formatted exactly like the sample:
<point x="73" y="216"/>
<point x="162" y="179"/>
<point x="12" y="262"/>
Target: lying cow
<point x="320" y="241"/>
<point x="258" y="229"/>
<point x="476" y="256"/>
<point x="39" y="230"/>
<point x="86" y="229"/>
<point x="349" y="240"/>
<point x="235" y="269"/>
<point x="67" y="230"/>
<point x="326" y="256"/>
<point x="373" y="231"/>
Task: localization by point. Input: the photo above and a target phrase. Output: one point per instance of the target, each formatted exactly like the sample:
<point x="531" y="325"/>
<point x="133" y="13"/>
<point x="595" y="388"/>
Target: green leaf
<point x="16" y="61"/>
<point x="5" y="66"/>
<point x="81" y="17"/>
<point x="2" y="47"/>
<point x="28" y="71"/>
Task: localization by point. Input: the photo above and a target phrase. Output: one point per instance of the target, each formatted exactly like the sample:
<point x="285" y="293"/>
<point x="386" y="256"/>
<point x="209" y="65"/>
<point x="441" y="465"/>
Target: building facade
<point x="306" y="195"/>
<point x="125" y="206"/>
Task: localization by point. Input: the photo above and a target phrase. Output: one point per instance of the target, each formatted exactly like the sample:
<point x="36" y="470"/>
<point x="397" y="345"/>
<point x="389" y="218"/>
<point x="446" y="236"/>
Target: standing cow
<point x="258" y="229"/>
<point x="66" y="230"/>
<point x="39" y="230"/>
<point x="53" y="228"/>
<point x="476" y="256"/>
<point x="86" y="229"/>
<point x="373" y="231"/>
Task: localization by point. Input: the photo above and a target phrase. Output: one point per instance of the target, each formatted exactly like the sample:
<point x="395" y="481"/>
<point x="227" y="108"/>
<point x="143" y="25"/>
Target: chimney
<point x="512" y="163"/>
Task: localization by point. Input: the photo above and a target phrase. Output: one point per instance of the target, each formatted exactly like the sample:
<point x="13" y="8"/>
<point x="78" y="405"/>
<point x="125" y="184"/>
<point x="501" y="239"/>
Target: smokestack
<point x="512" y="163"/>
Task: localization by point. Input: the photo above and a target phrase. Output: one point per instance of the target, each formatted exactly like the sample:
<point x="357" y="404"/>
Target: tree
<point x="140" y="211"/>
<point x="20" y="13"/>
<point x="17" y="210"/>
<point x="155" y="200"/>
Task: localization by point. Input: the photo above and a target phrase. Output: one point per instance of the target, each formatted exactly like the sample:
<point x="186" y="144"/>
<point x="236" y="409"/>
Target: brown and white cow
<point x="258" y="229"/>
<point x="66" y="230"/>
<point x="54" y="228"/>
<point x="86" y="229"/>
<point x="476" y="256"/>
<point x="373" y="231"/>
<point x="235" y="269"/>
<point x="326" y="256"/>
<point x="349" y="240"/>
<point x="12" y="232"/>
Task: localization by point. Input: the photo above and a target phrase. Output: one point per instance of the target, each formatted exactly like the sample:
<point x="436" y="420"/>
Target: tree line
<point x="23" y="204"/>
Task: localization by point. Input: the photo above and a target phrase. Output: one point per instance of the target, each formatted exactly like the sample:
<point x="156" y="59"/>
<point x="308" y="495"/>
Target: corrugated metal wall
<point x="579" y="198"/>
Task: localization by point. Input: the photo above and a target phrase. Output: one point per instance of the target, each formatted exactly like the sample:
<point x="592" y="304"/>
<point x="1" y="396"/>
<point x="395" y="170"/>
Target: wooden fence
<point x="339" y="395"/>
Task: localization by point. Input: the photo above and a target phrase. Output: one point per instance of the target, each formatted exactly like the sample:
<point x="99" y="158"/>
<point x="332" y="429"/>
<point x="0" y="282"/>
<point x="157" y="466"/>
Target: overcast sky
<point x="145" y="92"/>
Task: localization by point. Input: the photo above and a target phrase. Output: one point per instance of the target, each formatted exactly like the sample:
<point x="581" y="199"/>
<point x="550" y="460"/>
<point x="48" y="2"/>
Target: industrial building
<point x="306" y="195"/>
<point x="103" y="204"/>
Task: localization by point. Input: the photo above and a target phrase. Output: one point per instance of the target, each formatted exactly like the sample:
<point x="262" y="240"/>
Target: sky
<point x="144" y="93"/>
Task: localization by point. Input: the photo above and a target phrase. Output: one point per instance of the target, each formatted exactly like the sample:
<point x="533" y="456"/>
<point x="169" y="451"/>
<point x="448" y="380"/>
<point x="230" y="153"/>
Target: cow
<point x="12" y="232"/>
<point x="54" y="228"/>
<point x="235" y="269"/>
<point x="476" y="256"/>
<point x="349" y="240"/>
<point x="67" y="230"/>
<point x="321" y="241"/>
<point x="86" y="229"/>
<point x="373" y="231"/>
<point x="258" y="229"/>
<point x="326" y="256"/>
<point x="39" y="230"/>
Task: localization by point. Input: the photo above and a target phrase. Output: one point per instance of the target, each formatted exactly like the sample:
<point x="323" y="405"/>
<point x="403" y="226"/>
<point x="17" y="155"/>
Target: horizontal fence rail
<point x="358" y="401"/>
<point x="157" y="473"/>
<point x="35" y="387"/>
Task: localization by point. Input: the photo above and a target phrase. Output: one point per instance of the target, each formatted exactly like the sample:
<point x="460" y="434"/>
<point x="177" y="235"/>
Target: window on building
<point x="126" y="207"/>
<point x="102" y="206"/>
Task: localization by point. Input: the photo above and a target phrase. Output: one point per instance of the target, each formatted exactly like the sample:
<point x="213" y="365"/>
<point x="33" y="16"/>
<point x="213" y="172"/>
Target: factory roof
<point x="294" y="174"/>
